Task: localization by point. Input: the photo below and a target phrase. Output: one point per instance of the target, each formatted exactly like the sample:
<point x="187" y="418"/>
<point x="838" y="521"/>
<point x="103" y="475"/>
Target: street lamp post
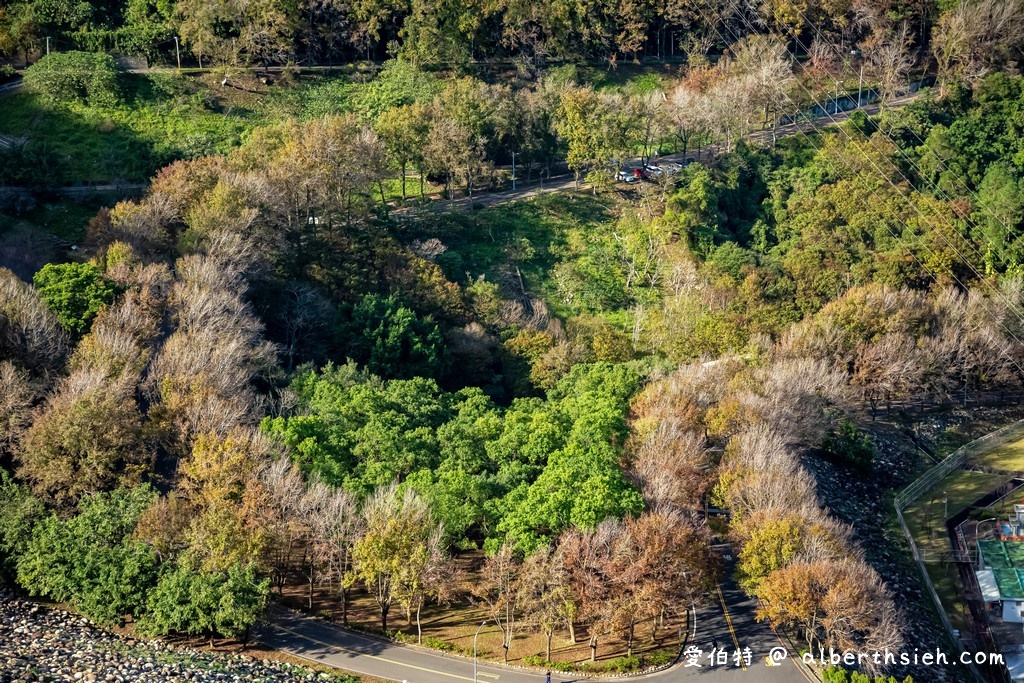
<point x="977" y="538"/>
<point x="475" y="636"/>
<point x="177" y="52"/>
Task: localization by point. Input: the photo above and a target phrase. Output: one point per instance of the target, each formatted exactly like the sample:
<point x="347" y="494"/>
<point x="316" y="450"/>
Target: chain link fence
<point x="926" y="482"/>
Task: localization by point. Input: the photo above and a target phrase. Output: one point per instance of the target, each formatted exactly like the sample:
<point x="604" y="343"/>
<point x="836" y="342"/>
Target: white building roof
<point x="989" y="587"/>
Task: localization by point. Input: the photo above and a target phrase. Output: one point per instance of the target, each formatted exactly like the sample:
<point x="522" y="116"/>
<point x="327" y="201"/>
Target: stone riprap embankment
<point x="42" y="644"/>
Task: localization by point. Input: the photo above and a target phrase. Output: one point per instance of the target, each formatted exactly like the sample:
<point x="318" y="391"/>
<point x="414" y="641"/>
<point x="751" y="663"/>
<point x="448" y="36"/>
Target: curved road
<point x="727" y="621"/>
<point x="566" y="181"/>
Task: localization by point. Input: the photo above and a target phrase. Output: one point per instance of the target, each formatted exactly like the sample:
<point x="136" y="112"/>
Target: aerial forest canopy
<point x="279" y="367"/>
<point x="968" y="36"/>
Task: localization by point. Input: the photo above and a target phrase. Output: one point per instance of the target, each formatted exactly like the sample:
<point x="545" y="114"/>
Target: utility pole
<point x="177" y="52"/>
<point x="474" y="649"/>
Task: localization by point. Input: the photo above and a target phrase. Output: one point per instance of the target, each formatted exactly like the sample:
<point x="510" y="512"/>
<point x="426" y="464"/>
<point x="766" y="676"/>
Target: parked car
<point x="625" y="177"/>
<point x="641" y="174"/>
<point x="670" y="167"/>
<point x="654" y="170"/>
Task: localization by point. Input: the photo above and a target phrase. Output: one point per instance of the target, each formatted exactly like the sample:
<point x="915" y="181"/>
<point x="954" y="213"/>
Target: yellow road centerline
<point x="377" y="657"/>
<point x="728" y="622"/>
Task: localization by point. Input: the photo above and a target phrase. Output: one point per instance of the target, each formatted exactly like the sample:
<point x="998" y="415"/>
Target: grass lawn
<point x="162" y="117"/>
<point x="531" y="236"/>
<point x="1009" y="457"/>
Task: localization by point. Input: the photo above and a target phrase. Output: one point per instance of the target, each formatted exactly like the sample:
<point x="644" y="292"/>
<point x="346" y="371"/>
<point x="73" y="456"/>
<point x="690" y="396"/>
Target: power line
<point x="854" y="174"/>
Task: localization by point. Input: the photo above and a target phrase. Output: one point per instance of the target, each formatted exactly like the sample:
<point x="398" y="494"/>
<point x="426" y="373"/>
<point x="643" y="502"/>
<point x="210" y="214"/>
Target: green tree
<point x="75" y="77"/>
<point x="91" y="560"/>
<point x="75" y="292"/>
<point x="693" y="210"/>
<point x="392" y="341"/>
<point x="19" y="512"/>
<point x="399" y="529"/>
<point x="187" y="600"/>
<point x="999" y="215"/>
<point x="581" y="483"/>
<point x="404" y="131"/>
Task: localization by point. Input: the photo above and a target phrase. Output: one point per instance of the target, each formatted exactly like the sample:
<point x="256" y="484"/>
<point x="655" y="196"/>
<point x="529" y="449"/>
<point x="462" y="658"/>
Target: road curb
<point x="539" y="671"/>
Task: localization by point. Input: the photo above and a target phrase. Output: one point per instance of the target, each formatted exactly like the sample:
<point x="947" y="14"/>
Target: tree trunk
<point x="419" y="628"/>
<point x="629" y="639"/>
<point x="344" y="606"/>
<point x="403" y="182"/>
<point x="547" y="647"/>
<point x="593" y="648"/>
<point x="572" y="632"/>
<point x="384" y="616"/>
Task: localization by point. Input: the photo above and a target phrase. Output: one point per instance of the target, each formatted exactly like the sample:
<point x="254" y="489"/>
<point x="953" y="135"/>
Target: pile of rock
<point x="41" y="644"/>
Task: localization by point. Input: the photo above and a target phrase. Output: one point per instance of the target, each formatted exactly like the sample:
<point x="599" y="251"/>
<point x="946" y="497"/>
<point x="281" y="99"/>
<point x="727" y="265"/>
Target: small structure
<point x="1001" y="577"/>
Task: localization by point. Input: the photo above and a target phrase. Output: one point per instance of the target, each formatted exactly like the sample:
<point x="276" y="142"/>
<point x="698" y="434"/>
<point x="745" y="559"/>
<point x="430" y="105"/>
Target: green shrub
<point x="19" y="512"/>
<point x="624" y="664"/>
<point x="438" y="644"/>
<point x="660" y="657"/>
<point x="539" y="662"/>
<point x="91" y="560"/>
<point x="850" y="446"/>
<point x="187" y="601"/>
<point x="75" y="77"/>
<point x="75" y="292"/>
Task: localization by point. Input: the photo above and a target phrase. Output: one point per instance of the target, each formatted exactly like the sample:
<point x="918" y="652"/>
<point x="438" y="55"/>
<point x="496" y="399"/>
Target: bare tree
<point x="974" y="37"/>
<point x="29" y="332"/>
<point x="285" y="489"/>
<point x="500" y="587"/>
<point x="16" y="394"/>
<point x="427" y="574"/>
<point x="802" y="397"/>
<point x="335" y="534"/>
<point x="669" y="465"/>
<point x="890" y="61"/>
<point x="548" y="602"/>
<point x="760" y="472"/>
<point x="397" y="528"/>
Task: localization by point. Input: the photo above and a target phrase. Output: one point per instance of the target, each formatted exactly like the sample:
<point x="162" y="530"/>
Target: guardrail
<point x="926" y="482"/>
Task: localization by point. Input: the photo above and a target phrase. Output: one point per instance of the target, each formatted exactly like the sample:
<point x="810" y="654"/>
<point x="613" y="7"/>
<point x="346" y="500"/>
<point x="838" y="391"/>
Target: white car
<point x="654" y="170"/>
<point x="670" y="167"/>
<point x="625" y="177"/>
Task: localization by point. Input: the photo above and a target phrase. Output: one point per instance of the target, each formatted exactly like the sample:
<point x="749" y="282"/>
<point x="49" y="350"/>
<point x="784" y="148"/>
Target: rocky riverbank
<point x="40" y="644"/>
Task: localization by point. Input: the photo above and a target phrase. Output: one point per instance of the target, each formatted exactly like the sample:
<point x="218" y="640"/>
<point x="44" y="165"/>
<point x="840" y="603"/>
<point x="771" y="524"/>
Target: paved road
<point x="728" y="622"/>
<point x="566" y="181"/>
